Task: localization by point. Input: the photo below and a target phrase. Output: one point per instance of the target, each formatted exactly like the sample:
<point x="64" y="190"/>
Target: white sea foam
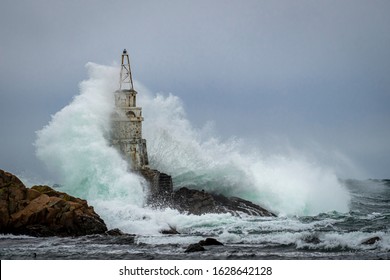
<point x="287" y="184"/>
<point x="74" y="145"/>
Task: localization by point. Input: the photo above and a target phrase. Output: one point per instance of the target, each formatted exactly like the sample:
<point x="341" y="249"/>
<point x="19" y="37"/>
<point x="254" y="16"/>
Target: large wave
<point x="75" y="146"/>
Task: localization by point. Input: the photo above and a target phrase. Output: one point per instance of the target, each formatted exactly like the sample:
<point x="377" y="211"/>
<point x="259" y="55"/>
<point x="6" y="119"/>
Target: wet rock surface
<point x="199" y="247"/>
<point x="196" y="247"/>
<point x="193" y="201"/>
<point x="200" y="202"/>
<point x="210" y="242"/>
<point x="371" y="241"/>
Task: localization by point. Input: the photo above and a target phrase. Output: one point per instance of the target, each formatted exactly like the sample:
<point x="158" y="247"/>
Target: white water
<point x="74" y="145"/>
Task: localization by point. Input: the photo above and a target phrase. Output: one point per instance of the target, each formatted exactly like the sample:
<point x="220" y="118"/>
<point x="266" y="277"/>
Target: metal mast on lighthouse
<point x="125" y="76"/>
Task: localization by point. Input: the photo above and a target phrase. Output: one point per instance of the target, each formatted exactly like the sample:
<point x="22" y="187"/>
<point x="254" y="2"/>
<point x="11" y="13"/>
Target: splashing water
<point x="287" y="184"/>
<point x="74" y="145"/>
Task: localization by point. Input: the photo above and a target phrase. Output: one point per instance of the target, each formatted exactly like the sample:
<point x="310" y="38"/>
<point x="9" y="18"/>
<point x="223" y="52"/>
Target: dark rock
<point x="196" y="247"/>
<point x="209" y="242"/>
<point x="114" y="236"/>
<point x="191" y="201"/>
<point x="171" y="230"/>
<point x="200" y="202"/>
<point x="115" y="232"/>
<point x="371" y="241"/>
<point x="239" y="205"/>
<point x="312" y="239"/>
<point x="124" y="239"/>
<point x="194" y="201"/>
<point x="42" y="211"/>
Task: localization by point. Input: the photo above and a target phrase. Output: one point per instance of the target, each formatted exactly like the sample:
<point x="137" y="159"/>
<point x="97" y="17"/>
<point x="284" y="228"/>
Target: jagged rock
<point x="200" y="202"/>
<point x="191" y="201"/>
<point x="194" y="201"/>
<point x="209" y="242"/>
<point x="371" y="241"/>
<point x="238" y="205"/>
<point x="196" y="247"/>
<point x="42" y="211"/>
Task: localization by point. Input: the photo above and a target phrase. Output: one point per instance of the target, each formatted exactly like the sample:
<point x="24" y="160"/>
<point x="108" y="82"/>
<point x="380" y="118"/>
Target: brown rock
<point x="4" y="214"/>
<point x="43" y="211"/>
<point x="32" y="194"/>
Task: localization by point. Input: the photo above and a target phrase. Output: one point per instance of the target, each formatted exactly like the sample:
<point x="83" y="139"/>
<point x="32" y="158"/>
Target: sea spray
<point x="287" y="183"/>
<point x="75" y="146"/>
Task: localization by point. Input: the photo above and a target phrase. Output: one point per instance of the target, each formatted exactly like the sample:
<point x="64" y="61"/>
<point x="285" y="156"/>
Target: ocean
<point x="320" y="213"/>
<point x="329" y="235"/>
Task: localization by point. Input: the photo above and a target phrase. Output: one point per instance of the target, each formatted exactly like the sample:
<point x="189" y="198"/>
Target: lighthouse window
<point x="131" y="114"/>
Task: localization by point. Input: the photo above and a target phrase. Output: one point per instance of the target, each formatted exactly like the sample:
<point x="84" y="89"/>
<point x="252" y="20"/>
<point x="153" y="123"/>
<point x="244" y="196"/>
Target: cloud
<point x="305" y="70"/>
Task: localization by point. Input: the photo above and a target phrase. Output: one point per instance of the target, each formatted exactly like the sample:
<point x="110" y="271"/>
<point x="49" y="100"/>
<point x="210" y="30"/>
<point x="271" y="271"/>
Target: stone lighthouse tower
<point x="126" y="134"/>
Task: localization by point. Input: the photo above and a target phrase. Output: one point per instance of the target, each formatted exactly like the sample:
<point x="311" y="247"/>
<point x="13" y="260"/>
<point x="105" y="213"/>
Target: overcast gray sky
<point x="308" y="73"/>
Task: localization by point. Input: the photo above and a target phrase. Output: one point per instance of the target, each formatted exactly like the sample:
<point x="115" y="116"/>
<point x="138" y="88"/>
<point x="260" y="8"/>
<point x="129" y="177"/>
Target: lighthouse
<point x="126" y="132"/>
<point x="126" y="137"/>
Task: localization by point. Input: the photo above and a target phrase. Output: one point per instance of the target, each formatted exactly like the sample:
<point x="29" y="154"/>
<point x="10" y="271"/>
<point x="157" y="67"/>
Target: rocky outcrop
<point x="119" y="237"/>
<point x="200" y="202"/>
<point x="199" y="247"/>
<point x="192" y="201"/>
<point x="210" y="242"/>
<point x="196" y="247"/>
<point x="42" y="211"/>
<point x="371" y="240"/>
